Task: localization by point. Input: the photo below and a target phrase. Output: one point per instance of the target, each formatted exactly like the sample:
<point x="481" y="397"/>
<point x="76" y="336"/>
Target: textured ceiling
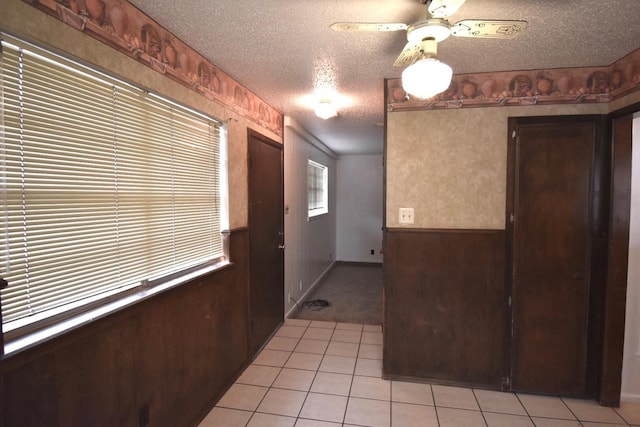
<point x="273" y="46"/>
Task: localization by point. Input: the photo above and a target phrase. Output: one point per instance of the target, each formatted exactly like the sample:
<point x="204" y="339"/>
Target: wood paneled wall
<point x="162" y="362"/>
<point x="444" y="305"/>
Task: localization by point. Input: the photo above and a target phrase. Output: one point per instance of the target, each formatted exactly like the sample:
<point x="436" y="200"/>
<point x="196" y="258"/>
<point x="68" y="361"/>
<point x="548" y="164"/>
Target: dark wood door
<point x="551" y="246"/>
<point x="266" y="239"/>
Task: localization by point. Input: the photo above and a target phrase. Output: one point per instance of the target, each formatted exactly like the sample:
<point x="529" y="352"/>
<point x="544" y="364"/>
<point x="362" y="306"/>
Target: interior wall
<point x="359" y="222"/>
<point x="170" y="357"/>
<point x="450" y="165"/>
<point x="631" y="357"/>
<point x="310" y="244"/>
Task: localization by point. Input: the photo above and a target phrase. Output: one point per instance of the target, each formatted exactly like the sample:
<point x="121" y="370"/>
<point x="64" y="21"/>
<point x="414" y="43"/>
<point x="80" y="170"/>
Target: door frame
<point x="618" y="250"/>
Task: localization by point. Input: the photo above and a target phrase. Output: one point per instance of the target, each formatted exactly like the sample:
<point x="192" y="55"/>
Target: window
<point x="105" y="187"/>
<point x="317" y="189"/>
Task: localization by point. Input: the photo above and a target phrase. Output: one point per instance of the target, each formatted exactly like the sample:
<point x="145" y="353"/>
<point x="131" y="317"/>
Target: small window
<point x="317" y="189"/>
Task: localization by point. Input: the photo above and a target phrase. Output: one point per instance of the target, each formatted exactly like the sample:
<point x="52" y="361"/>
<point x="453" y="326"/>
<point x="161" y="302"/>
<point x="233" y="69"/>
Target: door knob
<point x="281" y="246"/>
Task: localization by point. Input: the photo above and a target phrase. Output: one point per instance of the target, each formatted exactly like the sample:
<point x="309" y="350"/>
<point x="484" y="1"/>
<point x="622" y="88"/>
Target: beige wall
<point x="22" y="20"/>
<point x="450" y="165"/>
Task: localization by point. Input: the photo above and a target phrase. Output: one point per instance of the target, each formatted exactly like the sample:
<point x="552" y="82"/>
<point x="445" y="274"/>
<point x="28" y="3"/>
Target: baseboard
<point x="627" y="397"/>
<point x="312" y="287"/>
<point x="360" y="263"/>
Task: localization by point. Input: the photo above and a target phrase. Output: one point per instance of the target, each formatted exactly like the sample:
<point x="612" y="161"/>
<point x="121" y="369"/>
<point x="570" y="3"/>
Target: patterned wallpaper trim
<point x="124" y="27"/>
<point x="532" y="87"/>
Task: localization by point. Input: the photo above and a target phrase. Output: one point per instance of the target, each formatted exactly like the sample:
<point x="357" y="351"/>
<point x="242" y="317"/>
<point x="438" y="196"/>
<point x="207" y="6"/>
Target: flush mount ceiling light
<point x="427" y="76"/>
<point x="325" y="109"/>
<point x="325" y="88"/>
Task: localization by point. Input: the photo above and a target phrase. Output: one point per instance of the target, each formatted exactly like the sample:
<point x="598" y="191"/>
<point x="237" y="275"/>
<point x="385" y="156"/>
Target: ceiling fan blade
<point x="444" y="8"/>
<point x="488" y="29"/>
<point x="408" y="55"/>
<point x="368" y="26"/>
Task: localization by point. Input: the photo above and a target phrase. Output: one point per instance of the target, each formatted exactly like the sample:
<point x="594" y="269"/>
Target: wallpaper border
<point x="122" y="26"/>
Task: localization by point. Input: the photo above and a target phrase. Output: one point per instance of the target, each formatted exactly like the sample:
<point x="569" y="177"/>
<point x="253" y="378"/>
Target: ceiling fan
<point x="424" y="35"/>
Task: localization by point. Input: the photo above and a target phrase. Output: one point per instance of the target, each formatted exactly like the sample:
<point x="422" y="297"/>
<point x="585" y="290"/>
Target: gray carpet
<point x="354" y="291"/>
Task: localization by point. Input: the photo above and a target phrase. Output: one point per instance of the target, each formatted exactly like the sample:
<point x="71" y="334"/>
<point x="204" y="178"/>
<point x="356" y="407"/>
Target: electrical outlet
<point x="373" y="252"/>
<point x="406" y="216"/>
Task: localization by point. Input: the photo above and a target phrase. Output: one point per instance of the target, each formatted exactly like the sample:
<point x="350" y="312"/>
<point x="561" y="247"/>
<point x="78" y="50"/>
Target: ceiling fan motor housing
<point x="437" y="29"/>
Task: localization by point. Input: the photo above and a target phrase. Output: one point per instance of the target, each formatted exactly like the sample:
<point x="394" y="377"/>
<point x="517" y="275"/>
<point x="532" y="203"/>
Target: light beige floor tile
<point x="369" y="368"/>
<point x="366" y="412"/>
<point x="451" y="417"/>
<point x="408" y="415"/>
<point x="272" y="358"/>
<point x="318" y="334"/>
<point x="497" y="401"/>
<point x="282" y="343"/>
<point x="267" y="420"/>
<point x="372" y="328"/>
<point x="259" y="375"/>
<point x="307" y="361"/>
<point x="371" y="388"/>
<point x="324" y="407"/>
<point x="553" y="422"/>
<point x="545" y="407"/>
<point x="224" y="417"/>
<point x="314" y="423"/>
<point x="630" y="411"/>
<point x="370" y="351"/>
<point x="506" y="420"/>
<point x="322" y="324"/>
<point x="371" y="338"/>
<point x="416" y="393"/>
<point x="349" y="326"/>
<point x="346" y="349"/>
<point x="294" y="379"/>
<point x="338" y="364"/>
<point x="282" y="402"/>
<point x="346" y="336"/>
<point x="589" y="410"/>
<point x="242" y="396"/>
<point x="297" y="322"/>
<point x="330" y="383"/>
<point x="312" y="346"/>
<point x="290" y="331"/>
<point x="454" y="397"/>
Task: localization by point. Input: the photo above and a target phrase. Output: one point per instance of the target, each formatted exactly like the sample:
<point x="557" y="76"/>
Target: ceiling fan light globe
<point x="426" y="78"/>
<point x="326" y="109"/>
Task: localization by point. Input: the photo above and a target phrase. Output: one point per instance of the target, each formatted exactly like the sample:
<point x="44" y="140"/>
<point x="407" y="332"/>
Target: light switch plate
<point x="406" y="216"/>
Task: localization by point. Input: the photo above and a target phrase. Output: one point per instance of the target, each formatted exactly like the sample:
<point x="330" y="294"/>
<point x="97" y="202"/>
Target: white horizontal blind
<point x="316" y="188"/>
<point x="106" y="186"/>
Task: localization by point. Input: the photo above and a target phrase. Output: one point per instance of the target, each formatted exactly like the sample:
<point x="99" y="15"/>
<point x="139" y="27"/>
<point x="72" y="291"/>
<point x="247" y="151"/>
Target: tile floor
<point x="317" y="374"/>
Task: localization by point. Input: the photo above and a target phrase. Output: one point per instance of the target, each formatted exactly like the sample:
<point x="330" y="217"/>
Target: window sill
<point x="317" y="216"/>
<point x="24" y="342"/>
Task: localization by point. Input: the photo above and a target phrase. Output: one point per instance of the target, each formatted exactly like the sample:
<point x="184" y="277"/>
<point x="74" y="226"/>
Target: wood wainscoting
<point x="162" y="362"/>
<point x="444" y="309"/>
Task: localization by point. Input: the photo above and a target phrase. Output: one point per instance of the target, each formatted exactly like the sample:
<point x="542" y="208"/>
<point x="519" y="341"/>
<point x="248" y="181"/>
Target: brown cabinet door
<point x="266" y="237"/>
<point x="551" y="256"/>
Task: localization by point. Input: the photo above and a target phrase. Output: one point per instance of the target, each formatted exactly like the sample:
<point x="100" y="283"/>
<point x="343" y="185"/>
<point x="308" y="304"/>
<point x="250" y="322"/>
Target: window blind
<point x="104" y="185"/>
<point x="316" y="188"/>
